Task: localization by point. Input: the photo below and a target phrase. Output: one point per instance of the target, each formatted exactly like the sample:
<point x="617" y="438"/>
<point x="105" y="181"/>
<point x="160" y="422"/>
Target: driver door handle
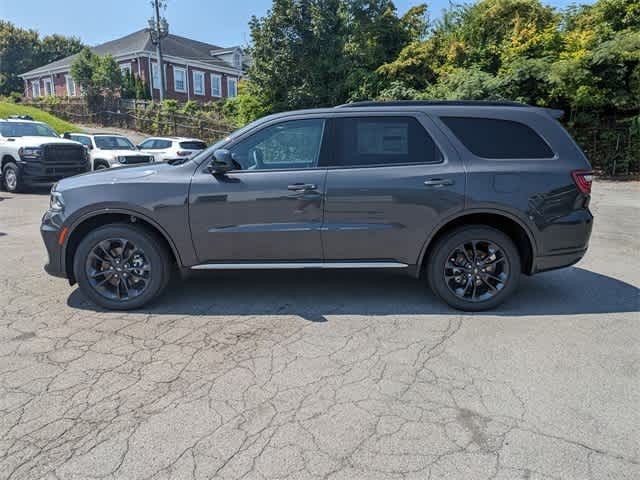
<point x="438" y="182"/>
<point x="302" y="187"/>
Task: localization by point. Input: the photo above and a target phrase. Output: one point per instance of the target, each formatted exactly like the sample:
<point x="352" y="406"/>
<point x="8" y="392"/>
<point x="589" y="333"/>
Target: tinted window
<point x="25" y="129"/>
<point x="492" y="138"/>
<point x="161" y="144"/>
<point x="293" y="144"/>
<point x="147" y="144"/>
<point x="193" y="145"/>
<point x="82" y="139"/>
<point x="383" y="141"/>
<point x="107" y="142"/>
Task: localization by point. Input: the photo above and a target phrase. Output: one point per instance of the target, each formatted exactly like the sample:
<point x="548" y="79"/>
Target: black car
<point x="469" y="195"/>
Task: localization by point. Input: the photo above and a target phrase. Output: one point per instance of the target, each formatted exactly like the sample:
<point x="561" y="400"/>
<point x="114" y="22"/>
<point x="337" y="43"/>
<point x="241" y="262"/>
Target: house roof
<point x="140" y="42"/>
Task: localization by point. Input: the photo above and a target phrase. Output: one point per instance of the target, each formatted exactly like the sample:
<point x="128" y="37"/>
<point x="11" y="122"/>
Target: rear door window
<point x="498" y="139"/>
<point x="162" y="144"/>
<point x="382" y="141"/>
<point x="192" y="145"/>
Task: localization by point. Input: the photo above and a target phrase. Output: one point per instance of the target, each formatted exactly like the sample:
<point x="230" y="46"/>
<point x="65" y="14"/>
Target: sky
<point x="220" y="22"/>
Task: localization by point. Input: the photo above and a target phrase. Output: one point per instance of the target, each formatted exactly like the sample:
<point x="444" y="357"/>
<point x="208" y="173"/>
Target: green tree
<point x="99" y="77"/>
<point x="22" y="50"/>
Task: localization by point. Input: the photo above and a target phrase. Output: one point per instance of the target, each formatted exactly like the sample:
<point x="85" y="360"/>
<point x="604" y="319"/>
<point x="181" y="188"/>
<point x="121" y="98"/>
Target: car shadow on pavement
<point x="313" y="295"/>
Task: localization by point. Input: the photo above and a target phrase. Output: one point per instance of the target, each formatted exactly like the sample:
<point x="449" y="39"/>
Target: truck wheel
<point x="121" y="266"/>
<point x="11" y="178"/>
<point x="474" y="268"/>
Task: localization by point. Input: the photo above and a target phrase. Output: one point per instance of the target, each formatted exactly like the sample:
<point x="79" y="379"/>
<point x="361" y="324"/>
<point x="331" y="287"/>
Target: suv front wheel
<point x="474" y="268"/>
<point x="121" y="266"/>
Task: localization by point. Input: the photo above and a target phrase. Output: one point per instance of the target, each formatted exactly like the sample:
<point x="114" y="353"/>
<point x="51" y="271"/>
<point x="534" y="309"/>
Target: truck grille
<point x="72" y="155"/>
<point x="133" y="159"/>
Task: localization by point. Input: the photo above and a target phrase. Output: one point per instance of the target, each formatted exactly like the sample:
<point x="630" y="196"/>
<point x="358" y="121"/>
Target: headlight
<point x="30" y="152"/>
<point x="56" y="202"/>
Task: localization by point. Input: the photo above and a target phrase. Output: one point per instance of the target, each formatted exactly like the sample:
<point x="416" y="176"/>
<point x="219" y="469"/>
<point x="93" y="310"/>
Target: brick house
<point x="193" y="70"/>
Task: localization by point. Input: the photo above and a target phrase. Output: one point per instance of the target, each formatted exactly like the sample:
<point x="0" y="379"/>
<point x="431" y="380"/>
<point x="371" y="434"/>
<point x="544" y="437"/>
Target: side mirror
<point x="221" y="162"/>
<point x="66" y="135"/>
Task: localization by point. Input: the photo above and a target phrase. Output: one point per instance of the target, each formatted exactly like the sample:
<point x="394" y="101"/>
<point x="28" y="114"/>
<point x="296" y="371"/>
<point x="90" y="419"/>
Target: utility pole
<point x="158" y="29"/>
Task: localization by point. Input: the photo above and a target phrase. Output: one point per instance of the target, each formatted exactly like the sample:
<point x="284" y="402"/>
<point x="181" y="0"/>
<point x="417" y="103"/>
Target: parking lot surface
<point x="316" y="375"/>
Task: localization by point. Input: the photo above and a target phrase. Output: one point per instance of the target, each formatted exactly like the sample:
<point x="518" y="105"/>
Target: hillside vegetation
<point x="59" y="125"/>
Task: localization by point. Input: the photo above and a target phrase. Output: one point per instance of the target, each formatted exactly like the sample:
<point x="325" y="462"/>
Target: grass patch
<point x="54" y="122"/>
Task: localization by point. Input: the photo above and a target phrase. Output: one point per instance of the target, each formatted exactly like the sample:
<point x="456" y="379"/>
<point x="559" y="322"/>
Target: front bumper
<point x="37" y="173"/>
<point x="50" y="231"/>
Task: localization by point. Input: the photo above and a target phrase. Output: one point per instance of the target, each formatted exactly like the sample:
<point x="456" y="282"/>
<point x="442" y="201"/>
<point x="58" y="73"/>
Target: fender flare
<point x="466" y="212"/>
<point x="103" y="211"/>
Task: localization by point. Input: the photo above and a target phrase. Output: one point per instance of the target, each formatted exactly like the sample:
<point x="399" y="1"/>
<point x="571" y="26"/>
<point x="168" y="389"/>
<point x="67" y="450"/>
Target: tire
<point x="458" y="290"/>
<point x="100" y="166"/>
<point x="107" y="295"/>
<point x="11" y="178"/>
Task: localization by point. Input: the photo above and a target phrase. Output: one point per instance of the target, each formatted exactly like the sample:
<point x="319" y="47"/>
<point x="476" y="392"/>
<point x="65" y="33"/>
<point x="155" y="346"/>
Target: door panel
<point x="247" y="216"/>
<point x="271" y="207"/>
<point x="386" y="212"/>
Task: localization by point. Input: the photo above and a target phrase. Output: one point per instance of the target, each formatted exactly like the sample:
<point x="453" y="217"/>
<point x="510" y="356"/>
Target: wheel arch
<point x="89" y="222"/>
<point x="506" y="222"/>
<point x="98" y="161"/>
<point x="6" y="158"/>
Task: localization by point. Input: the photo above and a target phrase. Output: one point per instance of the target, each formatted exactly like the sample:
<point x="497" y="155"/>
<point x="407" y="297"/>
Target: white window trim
<point x="34" y="84"/>
<point x="125" y="66"/>
<point x="198" y="73"/>
<point x="68" y="78"/>
<point x="184" y="77"/>
<point x="219" y="77"/>
<point x="53" y="92"/>
<point x="229" y="81"/>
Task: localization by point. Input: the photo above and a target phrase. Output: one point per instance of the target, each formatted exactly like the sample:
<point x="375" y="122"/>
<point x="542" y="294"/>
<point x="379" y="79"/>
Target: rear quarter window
<point x="498" y="139"/>
<point x="193" y="145"/>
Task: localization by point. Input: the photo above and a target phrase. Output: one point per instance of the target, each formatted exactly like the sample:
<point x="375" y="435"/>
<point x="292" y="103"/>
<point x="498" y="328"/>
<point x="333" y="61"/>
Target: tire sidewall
<point x="448" y="243"/>
<point x="14" y="167"/>
<point x="160" y="269"/>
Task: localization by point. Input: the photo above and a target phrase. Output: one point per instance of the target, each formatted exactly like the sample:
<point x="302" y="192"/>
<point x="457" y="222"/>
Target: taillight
<point x="583" y="179"/>
<point x="183" y="153"/>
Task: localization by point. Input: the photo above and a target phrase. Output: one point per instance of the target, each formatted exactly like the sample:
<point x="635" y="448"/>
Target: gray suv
<point x="469" y="195"/>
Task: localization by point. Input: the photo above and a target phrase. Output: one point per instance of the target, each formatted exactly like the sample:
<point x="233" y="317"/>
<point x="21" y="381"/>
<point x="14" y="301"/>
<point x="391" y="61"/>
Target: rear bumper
<point x="553" y="262"/>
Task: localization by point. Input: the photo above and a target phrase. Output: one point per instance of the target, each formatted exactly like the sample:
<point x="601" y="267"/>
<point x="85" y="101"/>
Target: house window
<point x="35" y="89"/>
<point x="125" y="69"/>
<point x="237" y="60"/>
<point x="71" y="86"/>
<point x="216" y="85"/>
<point x="179" y="79"/>
<point x="48" y="87"/>
<point x="155" y="75"/>
<point x="198" y="83"/>
<point x="232" y="87"/>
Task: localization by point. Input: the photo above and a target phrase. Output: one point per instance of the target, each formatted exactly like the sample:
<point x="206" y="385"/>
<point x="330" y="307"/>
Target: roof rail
<point x="427" y="103"/>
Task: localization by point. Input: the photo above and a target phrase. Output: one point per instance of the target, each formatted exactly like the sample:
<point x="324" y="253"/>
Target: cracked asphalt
<point x="323" y="375"/>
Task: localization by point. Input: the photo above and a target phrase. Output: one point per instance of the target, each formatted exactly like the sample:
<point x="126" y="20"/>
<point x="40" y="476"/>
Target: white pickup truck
<point x="32" y="154"/>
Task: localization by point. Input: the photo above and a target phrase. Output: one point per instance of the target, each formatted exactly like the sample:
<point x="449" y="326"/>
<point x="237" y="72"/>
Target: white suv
<point x="32" y="154"/>
<point x="108" y="150"/>
<point x="169" y="149"/>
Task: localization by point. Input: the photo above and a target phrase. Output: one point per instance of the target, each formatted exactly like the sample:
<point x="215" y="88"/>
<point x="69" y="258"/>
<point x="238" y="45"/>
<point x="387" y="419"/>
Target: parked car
<point x="107" y="150"/>
<point x="469" y="195"/>
<point x="32" y="154"/>
<point x="169" y="149"/>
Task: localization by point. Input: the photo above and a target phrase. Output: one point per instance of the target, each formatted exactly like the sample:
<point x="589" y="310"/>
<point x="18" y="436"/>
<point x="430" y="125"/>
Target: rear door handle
<point x="302" y="187"/>
<point x="438" y="182"/>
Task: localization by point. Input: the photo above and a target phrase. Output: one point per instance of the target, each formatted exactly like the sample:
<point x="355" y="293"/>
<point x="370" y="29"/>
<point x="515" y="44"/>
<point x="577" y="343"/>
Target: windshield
<point x="25" y="129"/>
<point x="105" y="142"/>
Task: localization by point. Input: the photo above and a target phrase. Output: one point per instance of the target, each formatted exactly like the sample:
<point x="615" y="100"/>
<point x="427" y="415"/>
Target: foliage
<point x="56" y="123"/>
<point x="22" y="50"/>
<point x="98" y="77"/>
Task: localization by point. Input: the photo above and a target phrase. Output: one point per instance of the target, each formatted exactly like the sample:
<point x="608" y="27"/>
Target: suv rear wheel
<point x="474" y="268"/>
<point x="121" y="267"/>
